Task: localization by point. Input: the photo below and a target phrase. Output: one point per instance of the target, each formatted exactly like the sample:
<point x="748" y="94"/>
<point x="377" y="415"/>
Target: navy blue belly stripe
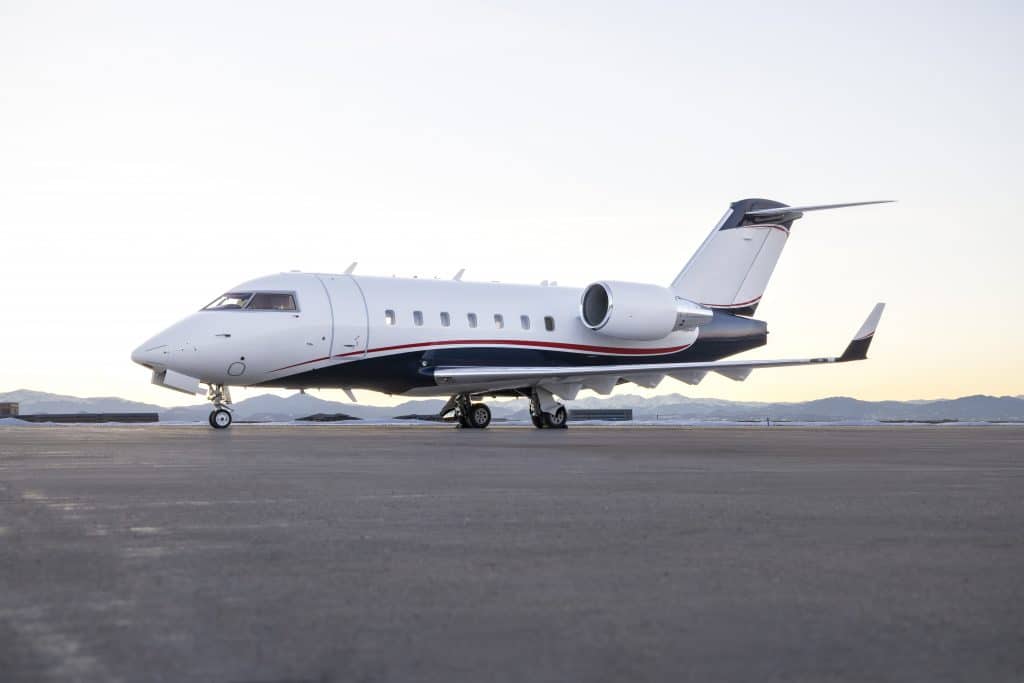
<point x="585" y="348"/>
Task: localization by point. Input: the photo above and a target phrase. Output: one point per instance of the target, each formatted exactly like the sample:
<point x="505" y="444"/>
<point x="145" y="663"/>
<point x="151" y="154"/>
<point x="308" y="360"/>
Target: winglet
<point x="857" y="349"/>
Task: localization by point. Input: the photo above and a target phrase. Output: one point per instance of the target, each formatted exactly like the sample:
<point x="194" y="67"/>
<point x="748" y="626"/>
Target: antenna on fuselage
<point x="351" y="268"/>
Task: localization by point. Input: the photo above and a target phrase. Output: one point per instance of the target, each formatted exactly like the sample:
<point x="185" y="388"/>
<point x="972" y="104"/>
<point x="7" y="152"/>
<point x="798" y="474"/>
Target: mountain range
<point x="268" y="407"/>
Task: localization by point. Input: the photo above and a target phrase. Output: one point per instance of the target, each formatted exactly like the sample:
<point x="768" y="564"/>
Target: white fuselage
<point x="346" y="319"/>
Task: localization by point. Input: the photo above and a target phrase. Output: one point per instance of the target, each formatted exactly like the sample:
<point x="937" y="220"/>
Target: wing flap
<point x="645" y="380"/>
<point x="736" y="374"/>
<point x="692" y="377"/>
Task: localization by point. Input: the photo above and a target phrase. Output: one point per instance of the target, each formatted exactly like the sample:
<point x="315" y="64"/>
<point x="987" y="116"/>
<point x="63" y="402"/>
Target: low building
<point x="8" y="409"/>
<point x="614" y="414"/>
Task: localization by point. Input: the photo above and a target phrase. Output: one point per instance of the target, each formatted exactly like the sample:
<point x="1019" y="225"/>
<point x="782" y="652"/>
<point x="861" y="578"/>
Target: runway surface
<point x="272" y="554"/>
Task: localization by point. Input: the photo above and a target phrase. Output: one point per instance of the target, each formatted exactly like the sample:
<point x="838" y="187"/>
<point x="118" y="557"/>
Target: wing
<point x="567" y="381"/>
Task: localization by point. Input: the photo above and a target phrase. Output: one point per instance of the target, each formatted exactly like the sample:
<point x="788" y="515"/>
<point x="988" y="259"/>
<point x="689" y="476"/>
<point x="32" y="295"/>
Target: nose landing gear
<point x="220" y="419"/>
<point x="220" y="416"/>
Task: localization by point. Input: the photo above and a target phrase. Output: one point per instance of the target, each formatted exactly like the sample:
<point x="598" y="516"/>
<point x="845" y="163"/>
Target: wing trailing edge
<point x="568" y="380"/>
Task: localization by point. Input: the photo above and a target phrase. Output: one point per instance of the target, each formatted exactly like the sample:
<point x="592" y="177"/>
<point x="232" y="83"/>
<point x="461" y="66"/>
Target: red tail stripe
<point x="739" y="305"/>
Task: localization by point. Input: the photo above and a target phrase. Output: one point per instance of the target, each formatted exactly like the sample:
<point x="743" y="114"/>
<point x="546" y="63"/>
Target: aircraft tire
<point x="479" y="416"/>
<point x="220" y="419"/>
<point x="537" y="420"/>
<point x="558" y="419"/>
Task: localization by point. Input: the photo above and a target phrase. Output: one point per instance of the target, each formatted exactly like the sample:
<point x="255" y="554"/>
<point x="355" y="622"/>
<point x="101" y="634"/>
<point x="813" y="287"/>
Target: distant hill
<point x="41" y="402"/>
<point x="264" y="407"/>
<point x="267" y="407"/>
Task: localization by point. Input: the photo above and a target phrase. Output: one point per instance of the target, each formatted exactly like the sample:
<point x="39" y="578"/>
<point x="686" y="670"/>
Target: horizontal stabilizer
<point x="788" y="213"/>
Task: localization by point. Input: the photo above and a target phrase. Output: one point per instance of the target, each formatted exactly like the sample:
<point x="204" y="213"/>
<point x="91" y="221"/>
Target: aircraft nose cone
<point x="152" y="353"/>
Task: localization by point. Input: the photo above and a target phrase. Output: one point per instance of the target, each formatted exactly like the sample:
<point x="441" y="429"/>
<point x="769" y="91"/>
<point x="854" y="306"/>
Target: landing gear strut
<point x="470" y="415"/>
<point x="546" y="412"/>
<point x="220" y="416"/>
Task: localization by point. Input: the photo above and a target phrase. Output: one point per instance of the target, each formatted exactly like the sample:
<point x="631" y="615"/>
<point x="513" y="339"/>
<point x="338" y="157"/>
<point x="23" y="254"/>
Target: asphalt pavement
<point x="347" y="553"/>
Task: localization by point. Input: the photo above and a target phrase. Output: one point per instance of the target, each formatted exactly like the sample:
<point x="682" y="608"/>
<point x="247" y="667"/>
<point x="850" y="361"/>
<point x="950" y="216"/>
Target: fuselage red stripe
<point x="621" y="350"/>
<point x="305" y="362"/>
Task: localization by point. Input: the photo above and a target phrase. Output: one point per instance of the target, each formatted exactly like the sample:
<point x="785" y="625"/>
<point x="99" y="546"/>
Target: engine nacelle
<point x="630" y="310"/>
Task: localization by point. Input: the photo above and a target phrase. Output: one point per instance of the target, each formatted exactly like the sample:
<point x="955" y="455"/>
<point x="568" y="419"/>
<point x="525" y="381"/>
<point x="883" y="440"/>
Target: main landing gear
<point x="220" y="416"/>
<point x="545" y="412"/>
<point x="469" y="415"/>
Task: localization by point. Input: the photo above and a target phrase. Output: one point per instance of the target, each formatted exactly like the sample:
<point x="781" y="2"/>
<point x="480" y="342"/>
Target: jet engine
<point x="630" y="310"/>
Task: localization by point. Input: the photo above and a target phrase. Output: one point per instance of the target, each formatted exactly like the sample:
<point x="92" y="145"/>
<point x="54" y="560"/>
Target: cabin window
<point x="268" y="301"/>
<point x="446" y="320"/>
<point x="471" y="319"/>
<point x="499" y="321"/>
<point x="524" y="320"/>
<point x="417" y="318"/>
<point x="549" y="323"/>
<point x="389" y="317"/>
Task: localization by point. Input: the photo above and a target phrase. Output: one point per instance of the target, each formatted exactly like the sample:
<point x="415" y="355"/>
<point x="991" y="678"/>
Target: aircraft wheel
<point x="220" y="419"/>
<point x="479" y="416"/>
<point x="557" y="419"/>
<point x="537" y="420"/>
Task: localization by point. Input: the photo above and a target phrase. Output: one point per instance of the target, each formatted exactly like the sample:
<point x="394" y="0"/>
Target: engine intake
<point x="630" y="310"/>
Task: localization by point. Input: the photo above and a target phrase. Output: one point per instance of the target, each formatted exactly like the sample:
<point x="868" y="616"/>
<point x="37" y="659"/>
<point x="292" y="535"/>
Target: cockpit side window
<point x="229" y="301"/>
<point x="271" y="301"/>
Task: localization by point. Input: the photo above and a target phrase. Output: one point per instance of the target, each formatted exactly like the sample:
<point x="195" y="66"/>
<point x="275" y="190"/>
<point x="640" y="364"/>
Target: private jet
<point x="472" y="340"/>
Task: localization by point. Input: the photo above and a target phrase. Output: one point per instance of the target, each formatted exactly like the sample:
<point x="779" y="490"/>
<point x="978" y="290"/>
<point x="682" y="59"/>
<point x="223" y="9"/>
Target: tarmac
<point x="350" y="553"/>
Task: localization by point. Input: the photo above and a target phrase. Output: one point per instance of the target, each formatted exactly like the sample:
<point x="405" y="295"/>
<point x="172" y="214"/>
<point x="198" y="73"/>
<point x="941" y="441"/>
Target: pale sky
<point x="152" y="155"/>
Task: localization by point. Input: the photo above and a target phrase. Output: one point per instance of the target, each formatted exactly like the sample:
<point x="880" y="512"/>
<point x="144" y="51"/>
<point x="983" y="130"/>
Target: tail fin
<point x="731" y="269"/>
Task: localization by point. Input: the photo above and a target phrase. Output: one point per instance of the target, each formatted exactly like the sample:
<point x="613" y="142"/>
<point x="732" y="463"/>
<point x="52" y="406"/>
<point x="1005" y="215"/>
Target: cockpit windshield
<point x="254" y="301"/>
<point x="229" y="301"/>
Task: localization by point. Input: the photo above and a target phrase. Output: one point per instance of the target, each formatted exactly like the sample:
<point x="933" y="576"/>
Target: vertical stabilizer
<point x="732" y="267"/>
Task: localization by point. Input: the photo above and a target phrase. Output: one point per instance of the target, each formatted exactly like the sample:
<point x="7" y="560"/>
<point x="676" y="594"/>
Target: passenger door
<point x="349" y="311"/>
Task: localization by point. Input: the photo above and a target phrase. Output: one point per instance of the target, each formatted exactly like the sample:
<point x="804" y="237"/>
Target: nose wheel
<point x="220" y="418"/>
